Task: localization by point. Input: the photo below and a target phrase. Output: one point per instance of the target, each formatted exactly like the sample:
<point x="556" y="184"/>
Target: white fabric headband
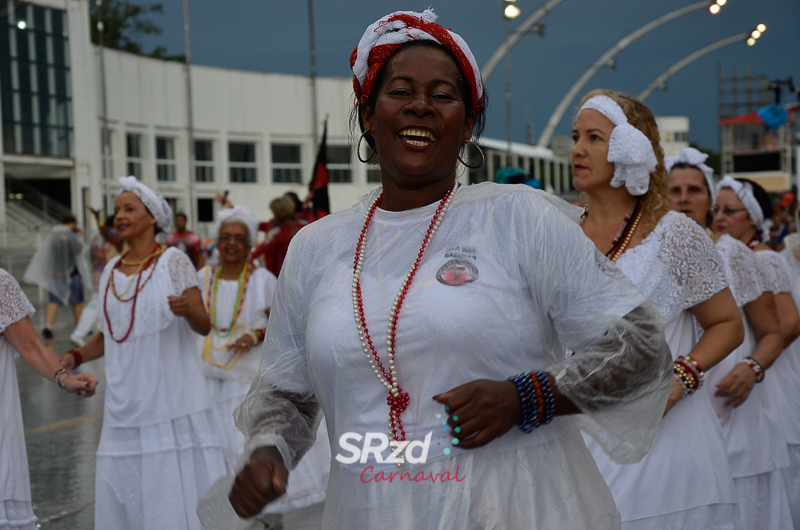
<point x="628" y="147"/>
<point x="692" y="157"/>
<point x="744" y="191"/>
<point x="156" y="204"/>
<point x="240" y="214"/>
<point x="397" y="31"/>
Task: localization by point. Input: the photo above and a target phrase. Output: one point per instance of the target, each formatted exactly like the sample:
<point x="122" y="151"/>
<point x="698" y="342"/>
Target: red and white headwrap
<point x="385" y="36"/>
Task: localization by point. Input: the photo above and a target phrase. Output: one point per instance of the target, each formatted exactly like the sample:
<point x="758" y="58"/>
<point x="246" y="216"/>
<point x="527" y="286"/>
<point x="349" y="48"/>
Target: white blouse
<point x="258" y="299"/>
<point x="506" y="283"/>
<point x="154" y="375"/>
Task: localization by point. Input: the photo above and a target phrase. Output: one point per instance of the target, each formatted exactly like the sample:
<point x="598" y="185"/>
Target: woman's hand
<point x="675" y="394"/>
<point x="82" y="384"/>
<point x="180" y="305"/>
<point x="67" y="361"/>
<point x="261" y="481"/>
<point x="481" y="411"/>
<point x="736" y="386"/>
<point x="242" y="345"/>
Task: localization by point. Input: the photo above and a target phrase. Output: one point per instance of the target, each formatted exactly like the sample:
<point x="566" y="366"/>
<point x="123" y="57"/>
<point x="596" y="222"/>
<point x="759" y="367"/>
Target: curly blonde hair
<point x="656" y="201"/>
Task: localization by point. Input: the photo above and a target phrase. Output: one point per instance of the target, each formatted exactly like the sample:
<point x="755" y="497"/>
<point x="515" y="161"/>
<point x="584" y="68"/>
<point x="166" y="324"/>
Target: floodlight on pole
<point x="762" y="28"/>
<point x="602" y="61"/>
<point x="510" y="11"/>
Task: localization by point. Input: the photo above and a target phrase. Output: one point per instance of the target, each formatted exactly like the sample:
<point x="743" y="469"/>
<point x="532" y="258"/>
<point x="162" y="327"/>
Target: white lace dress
<point x="159" y="448"/>
<point x="16" y="511"/>
<point x="228" y="387"/>
<point x="507" y="282"/>
<point x="748" y="429"/>
<point x="684" y="482"/>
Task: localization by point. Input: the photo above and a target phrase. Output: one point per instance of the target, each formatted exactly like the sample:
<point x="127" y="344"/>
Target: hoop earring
<point x="483" y="157"/>
<point x="358" y="147"/>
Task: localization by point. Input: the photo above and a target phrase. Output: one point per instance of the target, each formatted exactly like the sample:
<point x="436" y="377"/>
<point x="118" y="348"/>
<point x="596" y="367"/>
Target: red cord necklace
<point x="397" y="398"/>
<point x="135" y="294"/>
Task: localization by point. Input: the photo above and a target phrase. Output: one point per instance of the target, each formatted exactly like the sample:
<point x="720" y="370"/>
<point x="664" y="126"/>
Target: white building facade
<point x="253" y="132"/>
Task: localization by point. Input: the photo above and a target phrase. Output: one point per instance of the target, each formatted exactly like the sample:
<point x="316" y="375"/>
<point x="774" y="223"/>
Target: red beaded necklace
<point x="135" y="294"/>
<point x="397" y="398"/>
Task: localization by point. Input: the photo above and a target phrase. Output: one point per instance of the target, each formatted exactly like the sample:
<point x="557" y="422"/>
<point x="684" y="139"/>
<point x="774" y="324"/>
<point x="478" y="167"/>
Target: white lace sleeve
<point x="692" y="260"/>
<point x="741" y="269"/>
<point x="14" y="305"/>
<point x="182" y="273"/>
<point x="774" y="268"/>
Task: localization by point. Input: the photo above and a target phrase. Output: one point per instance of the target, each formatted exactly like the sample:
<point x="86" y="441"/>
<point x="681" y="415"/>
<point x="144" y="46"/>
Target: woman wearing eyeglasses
<point x="731" y="385"/>
<point x="237" y="297"/>
<point x="741" y="208"/>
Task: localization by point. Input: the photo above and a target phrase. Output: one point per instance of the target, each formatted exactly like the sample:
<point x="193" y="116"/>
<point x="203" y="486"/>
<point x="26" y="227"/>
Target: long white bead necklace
<point x="397" y="398"/>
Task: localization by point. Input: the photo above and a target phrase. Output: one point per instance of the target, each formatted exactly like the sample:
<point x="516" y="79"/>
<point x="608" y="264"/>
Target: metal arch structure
<point x="602" y="61"/>
<point x="514" y="37"/>
<point x="672" y="70"/>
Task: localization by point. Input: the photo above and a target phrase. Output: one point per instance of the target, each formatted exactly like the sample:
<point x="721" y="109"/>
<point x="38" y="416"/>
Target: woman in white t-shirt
<point x="406" y="317"/>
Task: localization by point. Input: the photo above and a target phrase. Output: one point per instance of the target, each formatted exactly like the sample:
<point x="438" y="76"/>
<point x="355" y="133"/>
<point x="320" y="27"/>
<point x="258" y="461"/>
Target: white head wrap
<point x="628" y="148"/>
<point x="239" y="214"/>
<point x="692" y="157"/>
<point x="744" y="191"/>
<point x="152" y="200"/>
<point x="397" y="31"/>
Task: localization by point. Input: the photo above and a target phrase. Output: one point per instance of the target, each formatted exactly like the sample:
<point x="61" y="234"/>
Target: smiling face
<point x="590" y="166"/>
<point x="419" y="119"/>
<point x="131" y="217"/>
<point x="688" y="192"/>
<point x="232" y="242"/>
<point x="731" y="217"/>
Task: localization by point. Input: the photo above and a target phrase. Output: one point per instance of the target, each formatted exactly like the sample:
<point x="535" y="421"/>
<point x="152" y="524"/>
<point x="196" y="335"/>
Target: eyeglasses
<point x="239" y="240"/>
<point x="727" y="212"/>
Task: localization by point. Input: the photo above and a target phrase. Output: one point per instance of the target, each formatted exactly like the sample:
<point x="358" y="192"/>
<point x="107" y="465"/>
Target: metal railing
<point x="50" y="210"/>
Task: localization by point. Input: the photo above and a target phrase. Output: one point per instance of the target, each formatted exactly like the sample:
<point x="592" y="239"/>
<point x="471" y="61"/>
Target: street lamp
<point x="660" y="81"/>
<point x="715" y="7"/>
<point x="755" y="34"/>
<point x="510" y="11"/>
<point x="605" y="59"/>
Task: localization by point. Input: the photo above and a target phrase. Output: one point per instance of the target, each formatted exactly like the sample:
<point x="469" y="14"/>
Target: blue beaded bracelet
<point x="531" y="403"/>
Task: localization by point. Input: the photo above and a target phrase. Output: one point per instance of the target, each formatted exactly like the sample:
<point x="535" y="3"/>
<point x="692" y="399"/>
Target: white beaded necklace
<point x="397" y="398"/>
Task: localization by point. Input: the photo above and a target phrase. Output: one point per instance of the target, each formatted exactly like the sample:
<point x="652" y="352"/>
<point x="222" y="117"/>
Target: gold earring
<point x="358" y="147"/>
<point x="483" y="157"/>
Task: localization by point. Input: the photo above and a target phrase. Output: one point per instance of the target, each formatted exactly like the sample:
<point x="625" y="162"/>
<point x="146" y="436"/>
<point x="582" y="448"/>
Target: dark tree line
<point x="124" y="25"/>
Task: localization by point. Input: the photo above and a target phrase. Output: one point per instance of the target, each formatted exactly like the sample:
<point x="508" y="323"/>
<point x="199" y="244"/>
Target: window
<point x="242" y="161"/>
<point x="339" y="164"/>
<point x="204" y="161"/>
<point x="35" y="84"/>
<point x="133" y="145"/>
<point x="205" y="210"/>
<point x="373" y="173"/>
<point x="681" y="136"/>
<point x="165" y="159"/>
<point x="107" y="157"/>
<point x="286" y="166"/>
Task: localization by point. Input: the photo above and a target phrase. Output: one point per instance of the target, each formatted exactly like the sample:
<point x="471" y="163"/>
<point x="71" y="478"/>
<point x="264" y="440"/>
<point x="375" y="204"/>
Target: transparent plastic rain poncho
<point x="505" y="285"/>
<point x="59" y="256"/>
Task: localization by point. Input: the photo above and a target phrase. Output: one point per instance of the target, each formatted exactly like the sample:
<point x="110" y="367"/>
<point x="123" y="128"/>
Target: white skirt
<point x="791" y="479"/>
<point x="152" y="476"/>
<point x="763" y="502"/>
<point x="308" y="481"/>
<point x="17" y="515"/>
<point x="714" y="517"/>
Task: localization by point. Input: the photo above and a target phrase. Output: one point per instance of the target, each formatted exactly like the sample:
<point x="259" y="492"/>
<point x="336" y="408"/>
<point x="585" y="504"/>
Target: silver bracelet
<point x="57" y="381"/>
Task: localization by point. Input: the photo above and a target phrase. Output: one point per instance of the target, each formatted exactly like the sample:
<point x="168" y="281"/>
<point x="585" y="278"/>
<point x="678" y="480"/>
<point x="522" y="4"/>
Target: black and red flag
<point x="320" y="203"/>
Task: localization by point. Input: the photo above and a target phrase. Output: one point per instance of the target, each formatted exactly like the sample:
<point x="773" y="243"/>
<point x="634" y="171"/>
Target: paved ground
<point x="62" y="432"/>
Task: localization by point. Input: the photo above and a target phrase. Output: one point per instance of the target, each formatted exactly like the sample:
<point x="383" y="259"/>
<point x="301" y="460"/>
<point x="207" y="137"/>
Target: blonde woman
<point x="684" y="481"/>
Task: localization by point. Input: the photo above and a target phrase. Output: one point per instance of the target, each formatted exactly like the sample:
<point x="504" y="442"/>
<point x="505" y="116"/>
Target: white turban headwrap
<point x="156" y="204"/>
<point x="239" y="214"/>
<point x="744" y="191"/>
<point x="397" y="28"/>
<point x="628" y="148"/>
<point x="692" y="157"/>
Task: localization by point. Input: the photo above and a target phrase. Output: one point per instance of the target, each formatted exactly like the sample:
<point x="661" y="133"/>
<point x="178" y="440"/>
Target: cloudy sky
<point x="271" y="36"/>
